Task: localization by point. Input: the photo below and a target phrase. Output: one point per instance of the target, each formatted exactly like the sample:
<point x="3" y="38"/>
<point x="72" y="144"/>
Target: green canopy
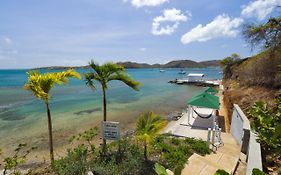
<point x="211" y="90"/>
<point x="210" y="95"/>
<point x="205" y="100"/>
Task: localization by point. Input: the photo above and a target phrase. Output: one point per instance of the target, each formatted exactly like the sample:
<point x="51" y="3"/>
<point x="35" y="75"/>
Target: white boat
<point x="161" y="70"/>
<point x="182" y="72"/>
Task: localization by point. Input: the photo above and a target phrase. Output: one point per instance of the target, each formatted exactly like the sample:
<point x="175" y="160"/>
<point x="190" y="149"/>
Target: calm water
<point x="75" y="107"/>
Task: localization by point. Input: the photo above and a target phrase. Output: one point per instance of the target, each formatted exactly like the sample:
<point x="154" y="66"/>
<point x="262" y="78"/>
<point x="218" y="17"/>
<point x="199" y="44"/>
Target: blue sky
<point x="37" y="33"/>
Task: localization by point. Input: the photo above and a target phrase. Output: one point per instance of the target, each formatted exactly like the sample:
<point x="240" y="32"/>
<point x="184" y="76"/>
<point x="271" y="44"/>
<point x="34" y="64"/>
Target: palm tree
<point x="148" y="126"/>
<point x="104" y="74"/>
<point x="40" y="85"/>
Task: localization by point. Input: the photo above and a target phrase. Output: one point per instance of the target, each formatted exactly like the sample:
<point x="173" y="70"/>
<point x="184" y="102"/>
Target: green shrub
<point x="266" y="122"/>
<point x="11" y="163"/>
<point x="257" y="172"/>
<point x="74" y="163"/>
<point x="186" y="150"/>
<point x="178" y="169"/>
<point x="199" y="146"/>
<point x="175" y="141"/>
<point x="221" y="172"/>
<point x="175" y="158"/>
<point x="104" y="168"/>
<point x="126" y="158"/>
<point x="159" y="169"/>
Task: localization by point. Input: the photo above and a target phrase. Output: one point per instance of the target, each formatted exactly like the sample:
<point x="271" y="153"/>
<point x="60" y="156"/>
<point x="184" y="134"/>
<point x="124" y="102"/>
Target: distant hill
<point x="171" y="64"/>
<point x="129" y="64"/>
<point x="211" y="63"/>
<point x="182" y="64"/>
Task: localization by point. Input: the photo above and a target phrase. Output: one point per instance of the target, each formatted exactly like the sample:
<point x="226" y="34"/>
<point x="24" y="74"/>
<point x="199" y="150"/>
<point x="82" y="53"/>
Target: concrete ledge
<point x="254" y="155"/>
<point x="241" y="131"/>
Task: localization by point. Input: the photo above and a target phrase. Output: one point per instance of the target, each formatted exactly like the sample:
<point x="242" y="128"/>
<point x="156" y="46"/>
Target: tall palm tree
<point x="40" y="85"/>
<point x="104" y="74"/>
<point x="148" y="126"/>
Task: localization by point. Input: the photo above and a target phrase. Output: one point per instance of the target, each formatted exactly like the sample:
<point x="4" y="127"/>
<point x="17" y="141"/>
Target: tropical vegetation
<point x="148" y="126"/>
<point x="227" y="62"/>
<point x="19" y="157"/>
<point x="104" y="74"/>
<point x="40" y="85"/>
<point x="266" y="122"/>
<point x="126" y="156"/>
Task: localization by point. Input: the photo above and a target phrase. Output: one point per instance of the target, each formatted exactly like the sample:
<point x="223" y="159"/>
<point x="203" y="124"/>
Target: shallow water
<point x="75" y="106"/>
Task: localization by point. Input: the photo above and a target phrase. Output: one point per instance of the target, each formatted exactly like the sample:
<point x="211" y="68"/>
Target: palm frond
<point x="41" y="84"/>
<point x="112" y="68"/>
<point x="148" y="125"/>
<point x="62" y="77"/>
<point x="125" y="79"/>
<point x="108" y="72"/>
<point x="90" y="77"/>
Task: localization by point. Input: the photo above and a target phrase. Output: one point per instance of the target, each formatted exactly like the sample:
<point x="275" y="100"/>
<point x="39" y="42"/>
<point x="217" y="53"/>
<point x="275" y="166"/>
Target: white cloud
<point x="7" y="40"/>
<point x="221" y="26"/>
<point x="174" y="16"/>
<point x="260" y="8"/>
<point x="142" y="49"/>
<point x="141" y="3"/>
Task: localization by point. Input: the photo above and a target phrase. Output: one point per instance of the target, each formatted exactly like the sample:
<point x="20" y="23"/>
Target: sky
<point x="36" y="33"/>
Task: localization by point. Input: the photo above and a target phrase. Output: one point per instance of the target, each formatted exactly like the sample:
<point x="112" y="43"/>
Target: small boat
<point x="182" y="72"/>
<point x="161" y="70"/>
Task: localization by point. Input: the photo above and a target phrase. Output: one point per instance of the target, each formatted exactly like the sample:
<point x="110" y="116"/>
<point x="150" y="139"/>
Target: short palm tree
<point x="104" y="74"/>
<point x="148" y="126"/>
<point x="40" y="85"/>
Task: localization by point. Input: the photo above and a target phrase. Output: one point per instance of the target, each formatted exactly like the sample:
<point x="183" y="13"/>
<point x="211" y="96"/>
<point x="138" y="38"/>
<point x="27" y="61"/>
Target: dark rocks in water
<point x="126" y="99"/>
<point x="88" y="111"/>
<point x="11" y="116"/>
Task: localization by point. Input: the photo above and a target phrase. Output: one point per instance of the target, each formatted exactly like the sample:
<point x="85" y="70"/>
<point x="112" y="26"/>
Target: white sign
<point x="111" y="130"/>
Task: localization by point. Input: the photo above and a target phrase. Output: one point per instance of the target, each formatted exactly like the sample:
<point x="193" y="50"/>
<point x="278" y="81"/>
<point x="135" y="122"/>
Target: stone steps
<point x="226" y="158"/>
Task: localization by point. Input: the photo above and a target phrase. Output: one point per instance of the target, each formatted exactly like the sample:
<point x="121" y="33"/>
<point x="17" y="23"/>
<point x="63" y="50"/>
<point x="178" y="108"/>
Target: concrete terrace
<point x="226" y="157"/>
<point x="197" y="127"/>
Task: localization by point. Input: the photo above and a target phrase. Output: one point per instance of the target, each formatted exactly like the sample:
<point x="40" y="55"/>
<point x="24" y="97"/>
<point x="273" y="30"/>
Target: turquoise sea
<point x="75" y="107"/>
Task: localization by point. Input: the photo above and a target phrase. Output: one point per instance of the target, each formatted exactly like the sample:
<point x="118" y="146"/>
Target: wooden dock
<point x="197" y="83"/>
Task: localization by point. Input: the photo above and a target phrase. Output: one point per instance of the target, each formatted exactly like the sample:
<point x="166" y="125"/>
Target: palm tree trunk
<point x="145" y="150"/>
<point x="50" y="134"/>
<point x="104" y="117"/>
<point x="104" y="104"/>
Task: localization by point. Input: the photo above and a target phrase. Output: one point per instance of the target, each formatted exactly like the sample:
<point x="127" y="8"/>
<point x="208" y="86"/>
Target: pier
<point x="196" y="79"/>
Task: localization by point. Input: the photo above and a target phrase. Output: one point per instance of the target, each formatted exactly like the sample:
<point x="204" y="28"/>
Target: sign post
<point x="111" y="130"/>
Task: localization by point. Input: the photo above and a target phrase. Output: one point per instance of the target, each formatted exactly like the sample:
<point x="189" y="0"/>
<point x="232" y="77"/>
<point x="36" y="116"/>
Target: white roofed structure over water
<point x="195" y="77"/>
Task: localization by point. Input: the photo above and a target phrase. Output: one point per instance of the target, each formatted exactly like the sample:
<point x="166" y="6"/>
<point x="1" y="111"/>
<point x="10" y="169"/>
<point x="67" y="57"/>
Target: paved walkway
<point x="226" y="158"/>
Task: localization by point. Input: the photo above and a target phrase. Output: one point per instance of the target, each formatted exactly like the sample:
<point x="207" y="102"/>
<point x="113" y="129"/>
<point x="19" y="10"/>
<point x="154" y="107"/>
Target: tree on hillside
<point x="104" y="74"/>
<point x="227" y="62"/>
<point x="40" y="85"/>
<point x="267" y="35"/>
<point x="148" y="126"/>
<point x="230" y="59"/>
